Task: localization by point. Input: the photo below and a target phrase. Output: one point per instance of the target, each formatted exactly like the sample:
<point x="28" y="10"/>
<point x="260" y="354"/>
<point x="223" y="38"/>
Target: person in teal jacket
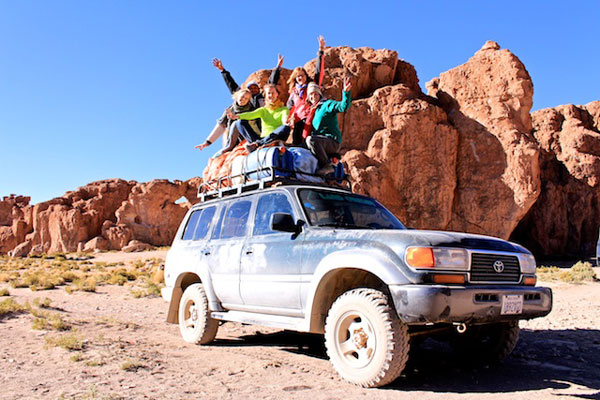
<point x="325" y="138"/>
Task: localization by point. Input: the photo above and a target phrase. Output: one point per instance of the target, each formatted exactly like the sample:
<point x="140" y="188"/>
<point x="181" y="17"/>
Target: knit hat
<point x="313" y="87"/>
<point x="252" y="82"/>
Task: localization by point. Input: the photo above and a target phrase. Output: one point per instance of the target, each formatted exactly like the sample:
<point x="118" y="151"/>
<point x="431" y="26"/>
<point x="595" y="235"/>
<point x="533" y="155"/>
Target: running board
<point x="273" y="321"/>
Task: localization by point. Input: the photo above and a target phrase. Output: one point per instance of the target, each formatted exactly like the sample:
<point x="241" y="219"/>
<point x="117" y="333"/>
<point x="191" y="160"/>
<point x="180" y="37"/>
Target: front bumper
<point x="422" y="304"/>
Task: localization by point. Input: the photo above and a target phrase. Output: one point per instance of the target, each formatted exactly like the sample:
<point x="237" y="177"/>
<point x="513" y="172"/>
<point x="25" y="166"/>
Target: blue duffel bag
<point x="257" y="165"/>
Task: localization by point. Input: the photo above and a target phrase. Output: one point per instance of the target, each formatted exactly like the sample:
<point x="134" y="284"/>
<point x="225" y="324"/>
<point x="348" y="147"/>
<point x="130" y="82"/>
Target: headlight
<point x="437" y="257"/>
<point x="528" y="264"/>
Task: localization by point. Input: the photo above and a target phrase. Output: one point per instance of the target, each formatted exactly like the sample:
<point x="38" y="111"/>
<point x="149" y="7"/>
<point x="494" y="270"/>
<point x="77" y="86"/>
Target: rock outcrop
<point x="466" y="156"/>
<point x="488" y="100"/>
<point x="102" y="215"/>
<point x="566" y="217"/>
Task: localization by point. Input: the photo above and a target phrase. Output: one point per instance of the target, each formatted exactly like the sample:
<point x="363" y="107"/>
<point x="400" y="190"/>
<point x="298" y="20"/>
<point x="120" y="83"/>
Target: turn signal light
<point x="282" y="150"/>
<point x="439" y="278"/>
<point x="420" y="257"/>
<point x="530" y="280"/>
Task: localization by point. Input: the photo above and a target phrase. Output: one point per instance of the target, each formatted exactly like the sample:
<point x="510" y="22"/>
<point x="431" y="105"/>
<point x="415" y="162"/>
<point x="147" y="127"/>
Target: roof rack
<point x="262" y="178"/>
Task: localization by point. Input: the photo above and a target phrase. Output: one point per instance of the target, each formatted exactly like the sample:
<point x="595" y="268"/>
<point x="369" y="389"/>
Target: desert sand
<point x="130" y="352"/>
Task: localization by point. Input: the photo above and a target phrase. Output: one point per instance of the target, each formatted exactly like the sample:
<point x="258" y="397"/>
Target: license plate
<point x="512" y="304"/>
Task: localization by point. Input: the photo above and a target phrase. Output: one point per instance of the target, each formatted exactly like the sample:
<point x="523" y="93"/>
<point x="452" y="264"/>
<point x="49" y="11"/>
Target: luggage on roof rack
<point x="239" y="173"/>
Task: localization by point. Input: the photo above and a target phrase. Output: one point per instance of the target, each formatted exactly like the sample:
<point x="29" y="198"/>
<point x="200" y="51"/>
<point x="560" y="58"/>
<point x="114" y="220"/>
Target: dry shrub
<point x="70" y="341"/>
<point x="50" y="321"/>
<point x="82" y="285"/>
<point x="580" y="272"/>
<point x="132" y="365"/>
<point x="9" y="306"/>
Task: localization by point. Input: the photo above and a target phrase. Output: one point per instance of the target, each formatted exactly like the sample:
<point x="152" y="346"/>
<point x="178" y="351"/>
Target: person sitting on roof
<point x="273" y="117"/>
<point x="240" y="104"/>
<point x="299" y="107"/>
<point x="258" y="99"/>
<point x="224" y="124"/>
<point x="325" y="138"/>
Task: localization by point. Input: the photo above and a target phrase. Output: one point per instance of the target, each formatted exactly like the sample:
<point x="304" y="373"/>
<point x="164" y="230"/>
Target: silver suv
<point x="312" y="258"/>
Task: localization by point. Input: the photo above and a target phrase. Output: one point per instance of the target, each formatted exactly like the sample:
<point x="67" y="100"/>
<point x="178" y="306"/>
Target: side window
<point x="217" y="232"/>
<point x="268" y="205"/>
<point x="204" y="223"/>
<point x="236" y="219"/>
<point x="190" y="227"/>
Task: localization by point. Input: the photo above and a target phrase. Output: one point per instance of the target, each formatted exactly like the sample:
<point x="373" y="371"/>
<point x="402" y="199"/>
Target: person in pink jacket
<point x="297" y="101"/>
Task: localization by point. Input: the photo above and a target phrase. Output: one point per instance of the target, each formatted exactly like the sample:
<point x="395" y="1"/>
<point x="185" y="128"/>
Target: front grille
<point x="482" y="268"/>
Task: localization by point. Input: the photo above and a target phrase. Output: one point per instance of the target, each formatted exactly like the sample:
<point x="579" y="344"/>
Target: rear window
<point x="190" y="227"/>
<point x="198" y="224"/>
<point x="204" y="221"/>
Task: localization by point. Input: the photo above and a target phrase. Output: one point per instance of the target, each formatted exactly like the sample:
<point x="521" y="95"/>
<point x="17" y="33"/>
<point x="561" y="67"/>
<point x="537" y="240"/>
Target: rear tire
<point x="366" y="342"/>
<point x="195" y="323"/>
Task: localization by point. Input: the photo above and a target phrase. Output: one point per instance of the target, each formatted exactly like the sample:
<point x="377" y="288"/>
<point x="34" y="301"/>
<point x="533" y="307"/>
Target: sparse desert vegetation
<point x="77" y="273"/>
<point x="115" y="343"/>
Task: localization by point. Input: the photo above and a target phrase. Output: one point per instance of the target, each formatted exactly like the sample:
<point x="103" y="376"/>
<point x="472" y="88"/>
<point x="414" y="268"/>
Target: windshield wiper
<point x="345" y="225"/>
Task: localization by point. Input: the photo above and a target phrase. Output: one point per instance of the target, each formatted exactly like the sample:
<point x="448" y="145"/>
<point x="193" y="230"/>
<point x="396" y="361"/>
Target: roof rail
<point x="262" y="178"/>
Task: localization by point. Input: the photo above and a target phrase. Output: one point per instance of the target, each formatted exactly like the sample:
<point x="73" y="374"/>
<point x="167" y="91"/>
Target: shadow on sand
<point x="547" y="359"/>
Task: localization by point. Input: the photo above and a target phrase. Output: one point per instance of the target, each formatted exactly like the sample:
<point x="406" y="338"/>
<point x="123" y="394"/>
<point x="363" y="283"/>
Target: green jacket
<point x="270" y="119"/>
<point x="325" y="122"/>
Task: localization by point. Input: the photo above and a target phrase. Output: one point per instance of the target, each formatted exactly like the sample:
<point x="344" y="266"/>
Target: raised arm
<point x="344" y="104"/>
<point x="320" y="67"/>
<point x="229" y="81"/>
<point x="274" y="78"/>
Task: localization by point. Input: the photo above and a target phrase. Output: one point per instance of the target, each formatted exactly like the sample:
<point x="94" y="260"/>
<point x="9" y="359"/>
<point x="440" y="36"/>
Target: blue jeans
<point x="248" y="133"/>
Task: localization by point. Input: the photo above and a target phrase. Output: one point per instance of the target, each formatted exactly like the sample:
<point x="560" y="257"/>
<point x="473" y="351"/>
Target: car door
<point x="224" y="249"/>
<point x="194" y="237"/>
<point x="271" y="260"/>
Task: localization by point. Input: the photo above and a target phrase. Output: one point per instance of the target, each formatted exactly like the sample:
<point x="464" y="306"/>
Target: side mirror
<point x="285" y="223"/>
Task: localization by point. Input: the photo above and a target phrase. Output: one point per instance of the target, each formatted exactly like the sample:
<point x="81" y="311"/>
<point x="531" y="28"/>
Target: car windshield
<point x="345" y="210"/>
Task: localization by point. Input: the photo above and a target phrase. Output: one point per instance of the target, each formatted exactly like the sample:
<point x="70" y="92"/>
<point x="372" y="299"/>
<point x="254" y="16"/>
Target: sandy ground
<point x="557" y="356"/>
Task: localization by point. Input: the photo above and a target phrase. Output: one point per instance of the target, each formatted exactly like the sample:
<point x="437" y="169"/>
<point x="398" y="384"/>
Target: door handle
<point x="206" y="251"/>
<point x="249" y="250"/>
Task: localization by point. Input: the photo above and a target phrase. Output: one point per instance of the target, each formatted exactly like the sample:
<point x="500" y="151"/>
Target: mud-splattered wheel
<point x="195" y="322"/>
<point x="366" y="342"/>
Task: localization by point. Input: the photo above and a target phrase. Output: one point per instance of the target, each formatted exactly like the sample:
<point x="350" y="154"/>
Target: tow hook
<point x="460" y="327"/>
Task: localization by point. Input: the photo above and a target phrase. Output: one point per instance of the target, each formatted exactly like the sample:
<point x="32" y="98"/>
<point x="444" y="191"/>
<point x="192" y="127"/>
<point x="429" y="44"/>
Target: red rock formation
<point x="15" y="221"/>
<point x="566" y="217"/>
<point x="150" y="211"/>
<point x="462" y="158"/>
<point x="488" y="100"/>
<point x="99" y="216"/>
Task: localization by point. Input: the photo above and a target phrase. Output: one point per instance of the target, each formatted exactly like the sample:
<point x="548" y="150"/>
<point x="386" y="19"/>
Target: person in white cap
<point x="325" y="137"/>
<point x="258" y="99"/>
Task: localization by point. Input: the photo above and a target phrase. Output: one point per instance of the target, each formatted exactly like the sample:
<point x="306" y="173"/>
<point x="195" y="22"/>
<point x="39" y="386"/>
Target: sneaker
<point x="326" y="170"/>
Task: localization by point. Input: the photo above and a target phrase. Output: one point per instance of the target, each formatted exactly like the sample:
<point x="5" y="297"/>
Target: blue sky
<point x="92" y="90"/>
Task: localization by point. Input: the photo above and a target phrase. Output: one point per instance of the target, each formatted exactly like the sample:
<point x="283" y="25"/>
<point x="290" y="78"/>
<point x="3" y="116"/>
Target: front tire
<point x="195" y="323"/>
<point x="366" y="342"/>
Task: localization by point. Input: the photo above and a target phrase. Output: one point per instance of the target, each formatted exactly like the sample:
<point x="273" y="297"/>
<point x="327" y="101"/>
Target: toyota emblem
<point x="498" y="266"/>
